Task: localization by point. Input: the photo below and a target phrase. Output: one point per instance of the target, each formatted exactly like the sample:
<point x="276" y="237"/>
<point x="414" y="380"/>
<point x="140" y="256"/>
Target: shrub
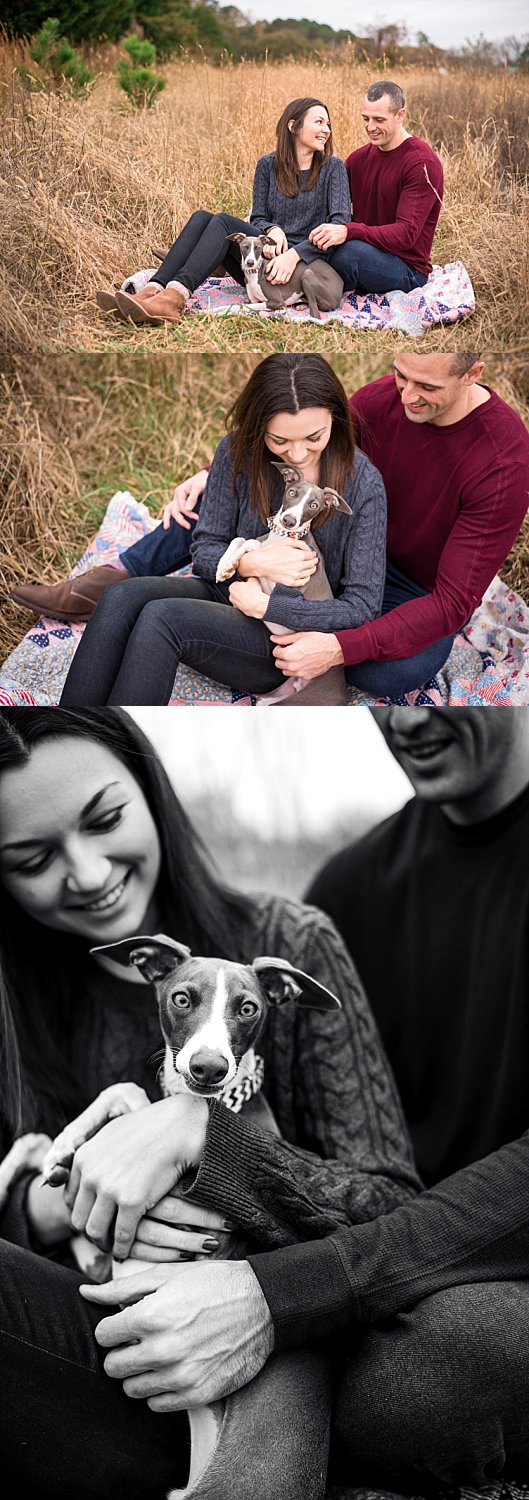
<point x="57" y="60"/>
<point x="135" y="74"/>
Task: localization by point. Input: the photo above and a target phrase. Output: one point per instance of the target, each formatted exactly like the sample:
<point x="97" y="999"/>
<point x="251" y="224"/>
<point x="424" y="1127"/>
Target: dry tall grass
<point x="75" y="428"/>
<point x="90" y="187"/>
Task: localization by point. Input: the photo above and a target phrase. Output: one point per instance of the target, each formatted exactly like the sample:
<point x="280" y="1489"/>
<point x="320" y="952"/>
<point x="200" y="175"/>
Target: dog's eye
<point x="181" y="1001"/>
<point x="248" y="1008"/>
<point x="313" y="504"/>
<point x="291" y="494"/>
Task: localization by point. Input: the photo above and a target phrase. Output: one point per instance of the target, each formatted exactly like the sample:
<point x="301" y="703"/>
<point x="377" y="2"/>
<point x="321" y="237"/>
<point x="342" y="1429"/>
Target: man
<point x="454" y="458"/>
<point x="396" y="183"/>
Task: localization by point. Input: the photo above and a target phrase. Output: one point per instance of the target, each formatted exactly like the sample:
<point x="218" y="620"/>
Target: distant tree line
<point x="215" y="29"/>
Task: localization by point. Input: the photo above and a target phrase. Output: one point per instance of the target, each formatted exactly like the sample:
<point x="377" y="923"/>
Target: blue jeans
<point x="163" y="551"/>
<point x="364" y="268"/>
<point x="159" y="552"/>
<point x="144" y="628"/>
<point x="437" y="1393"/>
<point x="203" y="245"/>
<point x="390" y="679"/>
<point x="69" y="1430"/>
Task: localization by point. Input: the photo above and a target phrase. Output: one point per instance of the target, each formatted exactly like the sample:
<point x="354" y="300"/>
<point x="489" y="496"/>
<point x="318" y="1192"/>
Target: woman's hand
<point x="283" y="266"/>
<point x="306" y="653"/>
<point x="249" y="598"/>
<point x="280" y="239"/>
<point x="47" y="1212"/>
<point x="285" y="561"/>
<point x="187" y="1335"/>
<point x="325" y="236"/>
<point x="176" y="1229"/>
<point x="130" y="1165"/>
<point x="182" y="506"/>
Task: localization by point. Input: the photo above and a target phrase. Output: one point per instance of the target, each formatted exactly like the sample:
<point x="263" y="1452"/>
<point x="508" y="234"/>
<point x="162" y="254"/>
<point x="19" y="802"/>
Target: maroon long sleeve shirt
<point x="457" y="497"/>
<point x="396" y="197"/>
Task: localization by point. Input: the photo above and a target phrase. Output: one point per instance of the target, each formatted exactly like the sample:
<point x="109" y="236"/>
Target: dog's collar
<point x="281" y="530"/>
<point x="243" y="1089"/>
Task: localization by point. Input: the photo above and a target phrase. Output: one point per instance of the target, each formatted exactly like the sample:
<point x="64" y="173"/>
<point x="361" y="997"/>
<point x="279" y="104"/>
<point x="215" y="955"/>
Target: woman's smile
<point x="107" y="901"/>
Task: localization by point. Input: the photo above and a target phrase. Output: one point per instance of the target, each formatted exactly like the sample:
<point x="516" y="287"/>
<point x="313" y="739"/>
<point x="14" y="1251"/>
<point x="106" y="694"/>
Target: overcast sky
<point x="279" y="772"/>
<point x="448" y="25"/>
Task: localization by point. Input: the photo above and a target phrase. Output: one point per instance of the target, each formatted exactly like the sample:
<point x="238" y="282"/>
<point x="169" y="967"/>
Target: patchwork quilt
<point x="447" y="297"/>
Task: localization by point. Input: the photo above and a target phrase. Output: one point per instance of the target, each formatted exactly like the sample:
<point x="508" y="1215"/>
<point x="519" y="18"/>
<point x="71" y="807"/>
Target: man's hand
<point x="327" y="235"/>
<point x="283" y="266"/>
<point x="307" y="653"/>
<point x="130" y="1164"/>
<point x="249" y="598"/>
<point x="182" y="506"/>
<point x="187" y="1335"/>
<point x="280" y="239"/>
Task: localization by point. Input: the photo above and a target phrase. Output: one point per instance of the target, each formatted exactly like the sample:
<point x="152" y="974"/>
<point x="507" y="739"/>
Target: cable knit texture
<point x="328" y="202"/>
<point x="353" y="547"/>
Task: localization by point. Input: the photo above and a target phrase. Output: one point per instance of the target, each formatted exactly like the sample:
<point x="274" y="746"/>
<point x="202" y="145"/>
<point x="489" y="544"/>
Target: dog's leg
<point x="268" y="1440"/>
<point x="228" y="563"/>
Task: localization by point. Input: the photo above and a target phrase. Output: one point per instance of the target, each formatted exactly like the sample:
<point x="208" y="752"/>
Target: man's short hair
<point x="463" y="362"/>
<point x="394" y="92"/>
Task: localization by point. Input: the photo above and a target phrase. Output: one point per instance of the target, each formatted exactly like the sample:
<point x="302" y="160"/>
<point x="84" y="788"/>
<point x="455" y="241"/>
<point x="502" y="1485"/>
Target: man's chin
<point x="418" y="416"/>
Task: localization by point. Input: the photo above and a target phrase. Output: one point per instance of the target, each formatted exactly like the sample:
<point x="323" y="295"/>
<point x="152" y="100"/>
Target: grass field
<point x="75" y="428"/>
<point x="89" y="187"/>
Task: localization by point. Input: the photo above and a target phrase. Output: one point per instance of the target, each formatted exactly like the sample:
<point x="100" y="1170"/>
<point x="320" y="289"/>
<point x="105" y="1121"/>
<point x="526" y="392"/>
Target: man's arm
<point x="478" y="544"/>
<point x="472" y="1227"/>
<point x="418" y="194"/>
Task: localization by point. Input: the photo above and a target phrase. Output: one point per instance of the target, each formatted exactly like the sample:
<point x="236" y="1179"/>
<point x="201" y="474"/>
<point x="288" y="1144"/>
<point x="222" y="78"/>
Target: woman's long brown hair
<point x="286" y="163"/>
<point x="288" y="383"/>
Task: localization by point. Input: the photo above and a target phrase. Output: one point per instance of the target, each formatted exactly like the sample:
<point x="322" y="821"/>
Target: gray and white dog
<point x="316" y="283"/>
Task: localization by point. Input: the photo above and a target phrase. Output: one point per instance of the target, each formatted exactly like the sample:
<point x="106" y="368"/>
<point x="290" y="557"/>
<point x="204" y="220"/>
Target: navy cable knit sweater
<point x="328" y="202"/>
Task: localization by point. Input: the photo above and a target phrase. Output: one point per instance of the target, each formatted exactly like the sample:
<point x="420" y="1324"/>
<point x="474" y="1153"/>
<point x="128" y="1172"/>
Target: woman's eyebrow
<point x="27" y="843"/>
<point x="278" y="439"/>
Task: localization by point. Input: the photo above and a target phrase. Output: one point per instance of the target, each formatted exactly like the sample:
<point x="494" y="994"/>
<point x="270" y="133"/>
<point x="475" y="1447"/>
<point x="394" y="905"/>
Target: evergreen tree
<point x="79" y="20"/>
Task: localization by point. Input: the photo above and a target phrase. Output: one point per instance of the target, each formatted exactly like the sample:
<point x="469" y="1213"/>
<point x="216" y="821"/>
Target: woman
<point x="96" y="847"/>
<point x="297" y="187"/>
<point x="293" y="409"/>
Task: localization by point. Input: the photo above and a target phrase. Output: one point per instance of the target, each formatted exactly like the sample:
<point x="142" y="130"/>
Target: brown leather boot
<point x="74" y="600"/>
<point x="167" y="307"/>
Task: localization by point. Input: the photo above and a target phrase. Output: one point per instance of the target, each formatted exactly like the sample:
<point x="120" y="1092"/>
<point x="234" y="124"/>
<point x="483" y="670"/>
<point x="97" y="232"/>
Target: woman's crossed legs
<point x="203" y="245"/>
<point x="144" y="628"/>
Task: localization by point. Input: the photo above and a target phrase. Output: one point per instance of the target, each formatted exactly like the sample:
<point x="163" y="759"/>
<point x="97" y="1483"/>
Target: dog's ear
<point x="267" y="239"/>
<point x="333" y="498"/>
<point x="238" y="237"/>
<point x="153" y="956"/>
<point x="290" y="473"/>
<point x="282" y="982"/>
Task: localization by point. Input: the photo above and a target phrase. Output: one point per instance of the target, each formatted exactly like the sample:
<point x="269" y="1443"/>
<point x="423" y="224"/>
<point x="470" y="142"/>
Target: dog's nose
<point x="208" y="1068"/>
<point x="288" y="519"/>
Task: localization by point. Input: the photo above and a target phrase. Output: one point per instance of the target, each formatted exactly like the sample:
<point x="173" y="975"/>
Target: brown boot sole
<point x="107" y="302"/>
<point x="138" y="313"/>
